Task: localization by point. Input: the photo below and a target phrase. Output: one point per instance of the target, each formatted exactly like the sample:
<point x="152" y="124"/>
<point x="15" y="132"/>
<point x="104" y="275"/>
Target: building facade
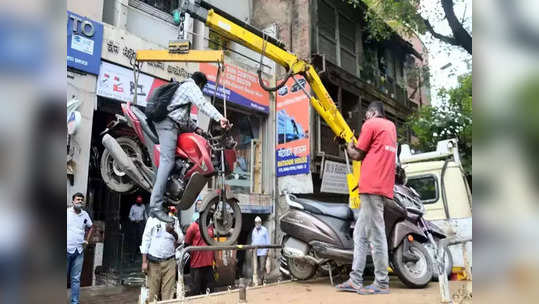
<point x="354" y="68"/>
<point x="331" y="34"/>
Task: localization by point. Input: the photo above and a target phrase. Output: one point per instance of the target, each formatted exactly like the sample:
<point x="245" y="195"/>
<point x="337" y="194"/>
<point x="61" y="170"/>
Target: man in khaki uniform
<point x="159" y="242"/>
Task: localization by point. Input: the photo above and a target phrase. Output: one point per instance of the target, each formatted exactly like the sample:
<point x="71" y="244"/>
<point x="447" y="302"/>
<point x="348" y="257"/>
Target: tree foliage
<point x="451" y="119"/>
<point x="408" y="17"/>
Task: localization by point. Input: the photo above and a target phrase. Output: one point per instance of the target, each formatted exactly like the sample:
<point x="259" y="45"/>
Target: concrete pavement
<point x="314" y="292"/>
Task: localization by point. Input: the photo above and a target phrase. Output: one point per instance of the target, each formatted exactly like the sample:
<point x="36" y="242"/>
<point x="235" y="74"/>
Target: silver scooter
<point x="319" y="235"/>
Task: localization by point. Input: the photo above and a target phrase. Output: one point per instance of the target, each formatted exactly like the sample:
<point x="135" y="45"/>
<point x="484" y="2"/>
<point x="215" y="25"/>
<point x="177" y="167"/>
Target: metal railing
<point x="445" y="294"/>
<point x="180" y="289"/>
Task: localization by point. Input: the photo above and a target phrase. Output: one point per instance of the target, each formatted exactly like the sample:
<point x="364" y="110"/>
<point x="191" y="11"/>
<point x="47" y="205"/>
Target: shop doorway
<point x="121" y="254"/>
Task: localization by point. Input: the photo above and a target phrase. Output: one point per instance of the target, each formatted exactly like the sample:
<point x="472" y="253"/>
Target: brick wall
<point x="292" y="19"/>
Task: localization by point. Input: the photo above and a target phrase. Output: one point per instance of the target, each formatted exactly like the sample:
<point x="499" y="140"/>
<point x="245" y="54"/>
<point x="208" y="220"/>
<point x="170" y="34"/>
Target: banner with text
<point x="334" y="178"/>
<point x="293" y="149"/>
<point x="117" y="82"/>
<point x="84" y="40"/>
<point x="241" y="87"/>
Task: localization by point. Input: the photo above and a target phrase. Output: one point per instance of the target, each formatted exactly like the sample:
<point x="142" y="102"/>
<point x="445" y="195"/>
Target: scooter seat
<point x="341" y="211"/>
<point x="145" y="124"/>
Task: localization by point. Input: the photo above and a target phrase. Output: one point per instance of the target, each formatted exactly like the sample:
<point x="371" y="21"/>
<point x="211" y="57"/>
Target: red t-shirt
<point x="193" y="238"/>
<point x="379" y="139"/>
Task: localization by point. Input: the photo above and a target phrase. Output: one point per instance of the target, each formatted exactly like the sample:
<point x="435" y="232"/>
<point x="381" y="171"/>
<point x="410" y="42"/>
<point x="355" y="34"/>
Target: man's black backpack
<point x="156" y="106"/>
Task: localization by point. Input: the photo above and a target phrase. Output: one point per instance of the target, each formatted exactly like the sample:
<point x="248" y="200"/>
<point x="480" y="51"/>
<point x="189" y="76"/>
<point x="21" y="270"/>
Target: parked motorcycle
<point x="131" y="161"/>
<point x="319" y="234"/>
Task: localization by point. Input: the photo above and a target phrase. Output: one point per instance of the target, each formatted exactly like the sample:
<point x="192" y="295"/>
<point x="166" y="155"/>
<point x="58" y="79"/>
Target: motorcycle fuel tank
<point x="195" y="148"/>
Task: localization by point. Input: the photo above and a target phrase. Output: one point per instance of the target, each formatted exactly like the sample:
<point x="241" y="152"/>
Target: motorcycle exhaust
<point x="124" y="162"/>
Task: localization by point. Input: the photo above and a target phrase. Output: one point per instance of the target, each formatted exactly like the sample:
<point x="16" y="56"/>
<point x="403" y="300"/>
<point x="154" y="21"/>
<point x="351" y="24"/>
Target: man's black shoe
<point x="161" y="215"/>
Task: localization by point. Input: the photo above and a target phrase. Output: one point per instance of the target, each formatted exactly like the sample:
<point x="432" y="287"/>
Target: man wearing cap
<point x="260" y="236"/>
<point x="137" y="215"/>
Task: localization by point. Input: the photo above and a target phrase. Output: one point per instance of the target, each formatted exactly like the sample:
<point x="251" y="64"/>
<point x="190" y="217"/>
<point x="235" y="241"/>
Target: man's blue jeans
<point x="370" y="229"/>
<point x="74" y="269"/>
<point x="168" y="131"/>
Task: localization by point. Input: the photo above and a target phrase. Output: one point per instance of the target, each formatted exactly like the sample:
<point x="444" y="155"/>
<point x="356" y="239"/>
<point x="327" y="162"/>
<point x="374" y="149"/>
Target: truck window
<point x="426" y="186"/>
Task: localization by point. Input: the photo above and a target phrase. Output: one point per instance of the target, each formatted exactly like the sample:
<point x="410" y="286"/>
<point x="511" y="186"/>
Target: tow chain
<point x="136" y="73"/>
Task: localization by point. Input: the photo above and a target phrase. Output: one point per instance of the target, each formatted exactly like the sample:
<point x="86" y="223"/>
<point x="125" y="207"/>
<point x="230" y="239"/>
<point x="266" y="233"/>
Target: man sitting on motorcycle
<point x="179" y="121"/>
<point x="376" y="147"/>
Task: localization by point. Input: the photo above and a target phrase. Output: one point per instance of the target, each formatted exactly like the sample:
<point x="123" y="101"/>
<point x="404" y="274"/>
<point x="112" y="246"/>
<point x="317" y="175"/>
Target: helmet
<point x="258" y="219"/>
<point x="139" y="199"/>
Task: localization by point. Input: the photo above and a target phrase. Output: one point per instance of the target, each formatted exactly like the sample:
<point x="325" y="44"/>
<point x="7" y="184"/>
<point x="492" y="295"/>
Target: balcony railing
<point x="386" y="85"/>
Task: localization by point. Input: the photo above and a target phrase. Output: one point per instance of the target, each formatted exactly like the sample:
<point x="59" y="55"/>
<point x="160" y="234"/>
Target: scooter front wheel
<point x="414" y="267"/>
<point x="224" y="218"/>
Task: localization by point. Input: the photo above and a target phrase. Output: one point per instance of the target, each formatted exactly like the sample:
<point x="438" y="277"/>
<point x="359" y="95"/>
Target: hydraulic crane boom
<point x="257" y="41"/>
<point x="273" y="49"/>
<point x="322" y="103"/>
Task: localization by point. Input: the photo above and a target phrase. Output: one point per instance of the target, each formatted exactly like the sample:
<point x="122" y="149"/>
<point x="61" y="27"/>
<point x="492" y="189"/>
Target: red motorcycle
<point x="131" y="160"/>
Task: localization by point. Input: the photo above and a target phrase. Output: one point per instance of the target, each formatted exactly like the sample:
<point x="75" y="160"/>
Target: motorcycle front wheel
<point x="224" y="217"/>
<point x="414" y="268"/>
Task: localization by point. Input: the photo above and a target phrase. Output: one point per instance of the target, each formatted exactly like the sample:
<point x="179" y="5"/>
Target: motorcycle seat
<point x="341" y="211"/>
<point x="145" y="124"/>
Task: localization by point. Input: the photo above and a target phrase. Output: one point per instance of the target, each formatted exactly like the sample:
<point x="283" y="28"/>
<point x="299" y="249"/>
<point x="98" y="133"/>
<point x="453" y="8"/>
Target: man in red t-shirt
<point x="201" y="261"/>
<point x="376" y="148"/>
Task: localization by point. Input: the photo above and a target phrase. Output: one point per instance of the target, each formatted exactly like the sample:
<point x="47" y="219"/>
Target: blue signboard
<point x="84" y="43"/>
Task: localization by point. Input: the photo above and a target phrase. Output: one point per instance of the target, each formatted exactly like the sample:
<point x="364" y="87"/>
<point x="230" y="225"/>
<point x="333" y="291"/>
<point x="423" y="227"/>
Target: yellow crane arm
<point x="322" y="103"/>
<point x="251" y="38"/>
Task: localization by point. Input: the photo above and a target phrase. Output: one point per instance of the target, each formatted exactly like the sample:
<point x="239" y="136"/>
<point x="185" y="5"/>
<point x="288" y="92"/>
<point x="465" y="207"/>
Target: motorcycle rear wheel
<point x="227" y="226"/>
<point x="112" y="175"/>
<point x="413" y="274"/>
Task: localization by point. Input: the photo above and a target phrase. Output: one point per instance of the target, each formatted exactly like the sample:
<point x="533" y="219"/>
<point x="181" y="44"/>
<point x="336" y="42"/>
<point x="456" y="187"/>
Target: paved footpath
<point x="310" y="292"/>
<point x="314" y="292"/>
<point x="109" y="295"/>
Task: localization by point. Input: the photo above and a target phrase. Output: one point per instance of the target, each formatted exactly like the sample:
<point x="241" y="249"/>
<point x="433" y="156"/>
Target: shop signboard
<point x="334" y="178"/>
<point x="241" y="86"/>
<point x="119" y="46"/>
<point x="116" y="82"/>
<point x="292" y="152"/>
<point x="84" y="43"/>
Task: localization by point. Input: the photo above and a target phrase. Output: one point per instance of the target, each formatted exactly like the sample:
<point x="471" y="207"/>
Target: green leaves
<point x="451" y="119"/>
<point x="385" y="16"/>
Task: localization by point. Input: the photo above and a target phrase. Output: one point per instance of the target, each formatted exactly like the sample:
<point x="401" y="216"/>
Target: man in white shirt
<point x="260" y="236"/>
<point x="136" y="217"/>
<point x="158" y="248"/>
<point x="78" y="222"/>
<point x="178" y="121"/>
